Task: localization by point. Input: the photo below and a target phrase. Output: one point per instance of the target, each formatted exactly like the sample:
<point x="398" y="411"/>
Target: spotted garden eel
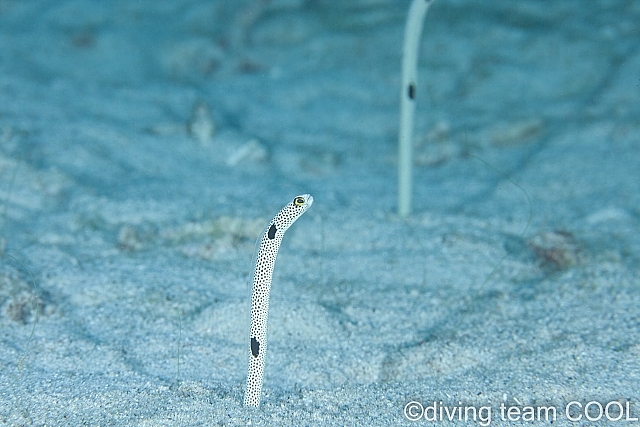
<point x="265" y="259"/>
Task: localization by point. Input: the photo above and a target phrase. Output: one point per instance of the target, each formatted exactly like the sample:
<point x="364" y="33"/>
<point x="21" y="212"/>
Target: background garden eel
<point x="412" y="35"/>
<point x="265" y="258"/>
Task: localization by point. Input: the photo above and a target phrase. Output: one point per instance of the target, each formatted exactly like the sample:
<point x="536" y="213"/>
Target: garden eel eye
<point x="298" y="201"/>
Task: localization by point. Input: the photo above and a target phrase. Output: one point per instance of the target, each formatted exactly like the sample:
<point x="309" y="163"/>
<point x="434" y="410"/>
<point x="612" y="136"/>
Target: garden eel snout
<point x="269" y="243"/>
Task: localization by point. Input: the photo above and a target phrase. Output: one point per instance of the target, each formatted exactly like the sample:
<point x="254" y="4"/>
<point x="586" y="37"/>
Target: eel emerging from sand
<point x="265" y="260"/>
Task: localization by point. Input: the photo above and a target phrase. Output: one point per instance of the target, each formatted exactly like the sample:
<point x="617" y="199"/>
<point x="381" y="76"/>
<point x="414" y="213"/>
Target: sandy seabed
<point x="144" y="145"/>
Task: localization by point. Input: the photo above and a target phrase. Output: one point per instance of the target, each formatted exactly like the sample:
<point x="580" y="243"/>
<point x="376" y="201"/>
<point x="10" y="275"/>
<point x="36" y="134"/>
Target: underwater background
<point x="145" y="144"/>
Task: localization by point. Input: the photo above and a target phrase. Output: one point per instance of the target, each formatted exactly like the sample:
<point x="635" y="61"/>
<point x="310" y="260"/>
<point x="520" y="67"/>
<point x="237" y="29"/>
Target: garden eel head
<point x="288" y="215"/>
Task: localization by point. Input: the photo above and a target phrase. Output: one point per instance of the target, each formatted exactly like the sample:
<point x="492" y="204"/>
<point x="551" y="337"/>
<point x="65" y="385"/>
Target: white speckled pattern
<point x="265" y="261"/>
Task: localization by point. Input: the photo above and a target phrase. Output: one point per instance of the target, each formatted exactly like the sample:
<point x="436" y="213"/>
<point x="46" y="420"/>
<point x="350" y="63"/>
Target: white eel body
<point x="265" y="260"/>
<point x="412" y="35"/>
